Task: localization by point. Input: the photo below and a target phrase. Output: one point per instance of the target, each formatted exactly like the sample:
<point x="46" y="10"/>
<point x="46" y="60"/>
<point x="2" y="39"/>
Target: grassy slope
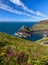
<point x="34" y="53"/>
<point x="42" y="25"/>
<point x="43" y="40"/>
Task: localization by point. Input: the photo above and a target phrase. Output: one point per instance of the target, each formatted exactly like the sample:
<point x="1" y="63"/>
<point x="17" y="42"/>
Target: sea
<point x="12" y="27"/>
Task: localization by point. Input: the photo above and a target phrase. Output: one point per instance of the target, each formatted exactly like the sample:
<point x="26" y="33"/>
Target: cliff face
<point x="24" y="28"/>
<point x="40" y="28"/>
<point x="24" y="31"/>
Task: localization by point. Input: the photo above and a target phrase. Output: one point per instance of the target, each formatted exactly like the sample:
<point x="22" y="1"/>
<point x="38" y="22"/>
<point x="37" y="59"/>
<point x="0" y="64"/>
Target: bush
<point x="22" y="58"/>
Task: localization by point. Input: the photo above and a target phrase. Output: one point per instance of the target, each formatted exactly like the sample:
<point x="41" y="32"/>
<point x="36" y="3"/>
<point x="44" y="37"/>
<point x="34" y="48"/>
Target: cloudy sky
<point x="23" y="10"/>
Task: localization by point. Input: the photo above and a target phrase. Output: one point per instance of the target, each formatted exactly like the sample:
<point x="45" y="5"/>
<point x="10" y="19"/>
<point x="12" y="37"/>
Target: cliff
<point x="24" y="32"/>
<point x="39" y="28"/>
<point x="42" y="25"/>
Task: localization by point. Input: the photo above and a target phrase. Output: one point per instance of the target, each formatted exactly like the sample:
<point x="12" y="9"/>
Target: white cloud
<point x="5" y="7"/>
<point x="45" y="18"/>
<point x="8" y="8"/>
<point x="20" y="3"/>
<point x="39" y="13"/>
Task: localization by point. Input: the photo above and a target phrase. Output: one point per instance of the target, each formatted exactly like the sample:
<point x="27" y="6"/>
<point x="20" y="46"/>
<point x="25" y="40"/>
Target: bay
<point x="12" y="27"/>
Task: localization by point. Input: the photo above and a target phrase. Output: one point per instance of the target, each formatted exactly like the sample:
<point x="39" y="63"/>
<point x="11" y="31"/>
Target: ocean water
<point x="12" y="27"/>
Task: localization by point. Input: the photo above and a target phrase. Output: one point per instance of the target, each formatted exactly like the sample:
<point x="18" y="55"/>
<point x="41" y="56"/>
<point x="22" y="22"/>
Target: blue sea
<point x="12" y="27"/>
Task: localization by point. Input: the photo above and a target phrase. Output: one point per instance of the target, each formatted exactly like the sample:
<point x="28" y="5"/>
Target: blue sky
<point x="23" y="10"/>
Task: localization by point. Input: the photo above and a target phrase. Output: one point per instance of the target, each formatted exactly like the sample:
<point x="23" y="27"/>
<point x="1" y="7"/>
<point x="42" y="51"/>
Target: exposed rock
<point x="39" y="28"/>
<point x="24" y="32"/>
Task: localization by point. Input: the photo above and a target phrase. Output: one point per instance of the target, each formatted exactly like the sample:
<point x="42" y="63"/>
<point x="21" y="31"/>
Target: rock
<point x="24" y="32"/>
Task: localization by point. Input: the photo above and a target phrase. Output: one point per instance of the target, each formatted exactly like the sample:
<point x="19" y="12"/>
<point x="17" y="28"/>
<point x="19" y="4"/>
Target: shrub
<point x="22" y="58"/>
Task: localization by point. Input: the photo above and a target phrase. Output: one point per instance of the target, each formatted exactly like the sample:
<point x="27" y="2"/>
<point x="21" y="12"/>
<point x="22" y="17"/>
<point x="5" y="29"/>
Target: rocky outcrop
<point x="24" y="32"/>
<point x="39" y="28"/>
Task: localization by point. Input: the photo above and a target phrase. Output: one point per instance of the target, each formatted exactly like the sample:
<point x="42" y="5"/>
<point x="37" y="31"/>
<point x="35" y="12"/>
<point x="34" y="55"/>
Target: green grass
<point x="42" y="25"/>
<point x="23" y="52"/>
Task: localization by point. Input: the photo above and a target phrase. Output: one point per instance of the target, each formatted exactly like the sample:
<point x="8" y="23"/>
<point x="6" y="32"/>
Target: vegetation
<point x="18" y="51"/>
<point x="42" y="25"/>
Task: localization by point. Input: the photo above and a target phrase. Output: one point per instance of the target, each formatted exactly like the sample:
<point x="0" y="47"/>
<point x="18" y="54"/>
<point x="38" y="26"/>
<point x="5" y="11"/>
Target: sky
<point x="23" y="10"/>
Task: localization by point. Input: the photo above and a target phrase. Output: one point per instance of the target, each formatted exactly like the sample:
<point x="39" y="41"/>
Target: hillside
<point x="43" y="41"/>
<point x="18" y="51"/>
<point x="39" y="28"/>
<point x="42" y="25"/>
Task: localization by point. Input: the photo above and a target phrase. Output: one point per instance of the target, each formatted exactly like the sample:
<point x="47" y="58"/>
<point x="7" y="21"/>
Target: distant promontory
<point x="39" y="28"/>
